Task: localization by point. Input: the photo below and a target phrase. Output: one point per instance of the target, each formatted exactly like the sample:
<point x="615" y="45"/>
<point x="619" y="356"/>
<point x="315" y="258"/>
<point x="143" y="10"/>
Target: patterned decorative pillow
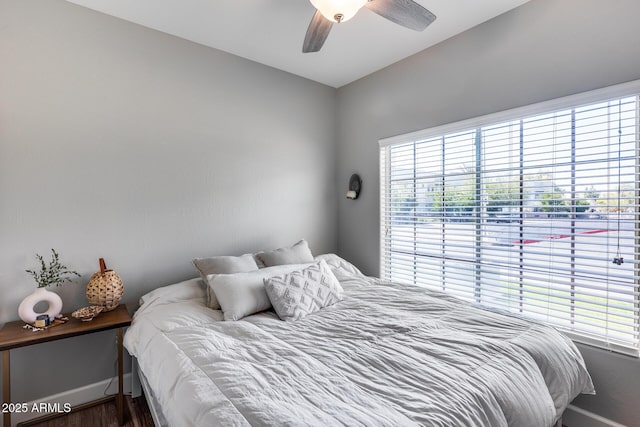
<point x="301" y="292"/>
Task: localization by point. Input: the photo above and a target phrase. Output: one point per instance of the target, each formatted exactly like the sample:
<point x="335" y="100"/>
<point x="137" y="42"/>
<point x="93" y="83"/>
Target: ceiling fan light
<point x="338" y="10"/>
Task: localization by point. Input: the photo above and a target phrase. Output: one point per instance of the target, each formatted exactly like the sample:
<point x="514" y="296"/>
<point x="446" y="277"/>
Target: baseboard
<point x="578" y="417"/>
<point x="73" y="398"/>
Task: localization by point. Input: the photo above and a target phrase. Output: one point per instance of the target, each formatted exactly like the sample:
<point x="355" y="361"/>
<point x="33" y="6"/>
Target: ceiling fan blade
<point x="317" y="33"/>
<point x="403" y="12"/>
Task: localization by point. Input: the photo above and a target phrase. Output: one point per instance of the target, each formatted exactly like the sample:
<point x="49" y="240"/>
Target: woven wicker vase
<point x="105" y="288"/>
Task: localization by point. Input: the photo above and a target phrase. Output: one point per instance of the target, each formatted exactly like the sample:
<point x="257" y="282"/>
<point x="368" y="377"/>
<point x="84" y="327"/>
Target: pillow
<point x="302" y="292"/>
<point x="297" y="254"/>
<point x="186" y="290"/>
<point x="242" y="294"/>
<point x="222" y="265"/>
<point x="340" y="266"/>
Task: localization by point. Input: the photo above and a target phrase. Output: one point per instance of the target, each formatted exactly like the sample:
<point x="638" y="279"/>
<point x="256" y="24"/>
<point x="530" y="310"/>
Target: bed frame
<point x="140" y="386"/>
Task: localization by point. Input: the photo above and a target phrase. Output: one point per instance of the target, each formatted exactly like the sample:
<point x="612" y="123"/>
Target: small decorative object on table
<point x="38" y="326"/>
<point x="105" y="288"/>
<point x="87" y="313"/>
<point x="42" y="321"/>
<point x="55" y="273"/>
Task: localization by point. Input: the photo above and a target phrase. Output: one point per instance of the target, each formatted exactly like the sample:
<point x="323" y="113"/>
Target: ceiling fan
<point x="407" y="13"/>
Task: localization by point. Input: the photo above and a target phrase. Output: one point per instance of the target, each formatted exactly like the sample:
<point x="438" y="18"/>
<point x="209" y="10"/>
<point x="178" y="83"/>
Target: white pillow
<point x="186" y="290"/>
<point x="243" y="294"/>
<point x="222" y="265"/>
<point x="301" y="292"/>
<point x="296" y="254"/>
<point x="340" y="266"/>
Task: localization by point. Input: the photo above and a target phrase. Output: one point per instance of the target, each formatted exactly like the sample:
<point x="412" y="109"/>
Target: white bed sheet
<point x="387" y="355"/>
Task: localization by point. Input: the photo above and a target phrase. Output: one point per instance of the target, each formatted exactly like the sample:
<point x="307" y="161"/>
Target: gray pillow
<point x="222" y="265"/>
<point x="301" y="292"/>
<point x="243" y="294"/>
<point x="297" y="254"/>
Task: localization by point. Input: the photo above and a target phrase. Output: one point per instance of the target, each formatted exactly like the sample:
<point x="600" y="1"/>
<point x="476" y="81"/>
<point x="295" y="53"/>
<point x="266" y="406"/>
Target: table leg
<point x="6" y="387"/>
<point x="119" y="398"/>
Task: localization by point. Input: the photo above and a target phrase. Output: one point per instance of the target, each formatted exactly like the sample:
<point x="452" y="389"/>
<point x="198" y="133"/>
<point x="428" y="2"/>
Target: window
<point x="533" y="211"/>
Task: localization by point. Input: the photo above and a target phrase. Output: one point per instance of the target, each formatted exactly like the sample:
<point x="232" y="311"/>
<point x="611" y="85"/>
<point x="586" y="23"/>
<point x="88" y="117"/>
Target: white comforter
<point x="387" y="355"/>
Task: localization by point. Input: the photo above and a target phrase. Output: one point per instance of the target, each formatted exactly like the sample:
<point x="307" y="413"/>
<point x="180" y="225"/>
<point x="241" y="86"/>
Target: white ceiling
<point x="271" y="31"/>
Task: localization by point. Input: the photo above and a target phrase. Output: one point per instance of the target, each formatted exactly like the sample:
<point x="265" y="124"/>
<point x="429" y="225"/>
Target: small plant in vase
<point x="53" y="273"/>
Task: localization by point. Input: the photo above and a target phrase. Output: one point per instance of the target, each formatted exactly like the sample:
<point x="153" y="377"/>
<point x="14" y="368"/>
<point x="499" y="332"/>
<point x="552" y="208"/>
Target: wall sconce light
<point x="355" y="184"/>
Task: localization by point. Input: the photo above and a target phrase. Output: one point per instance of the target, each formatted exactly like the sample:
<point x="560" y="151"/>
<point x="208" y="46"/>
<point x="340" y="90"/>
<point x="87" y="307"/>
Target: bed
<point x="385" y="355"/>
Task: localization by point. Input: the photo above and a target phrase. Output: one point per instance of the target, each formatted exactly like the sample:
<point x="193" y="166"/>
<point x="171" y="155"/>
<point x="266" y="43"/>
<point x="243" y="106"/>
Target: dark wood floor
<point x="136" y="410"/>
<point x="137" y="414"/>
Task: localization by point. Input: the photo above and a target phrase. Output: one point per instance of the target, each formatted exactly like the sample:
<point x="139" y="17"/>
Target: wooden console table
<point x="12" y="335"/>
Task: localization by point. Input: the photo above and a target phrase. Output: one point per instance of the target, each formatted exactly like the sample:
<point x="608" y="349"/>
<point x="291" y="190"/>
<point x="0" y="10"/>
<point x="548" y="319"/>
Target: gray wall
<point x="543" y="50"/>
<point x="121" y="142"/>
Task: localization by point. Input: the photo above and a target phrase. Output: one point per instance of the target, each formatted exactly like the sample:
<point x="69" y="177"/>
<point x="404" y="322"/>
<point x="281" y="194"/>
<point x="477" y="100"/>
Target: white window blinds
<point x="536" y="214"/>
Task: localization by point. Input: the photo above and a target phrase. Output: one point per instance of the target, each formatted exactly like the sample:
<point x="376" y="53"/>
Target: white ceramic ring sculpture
<point x="26" y="309"/>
